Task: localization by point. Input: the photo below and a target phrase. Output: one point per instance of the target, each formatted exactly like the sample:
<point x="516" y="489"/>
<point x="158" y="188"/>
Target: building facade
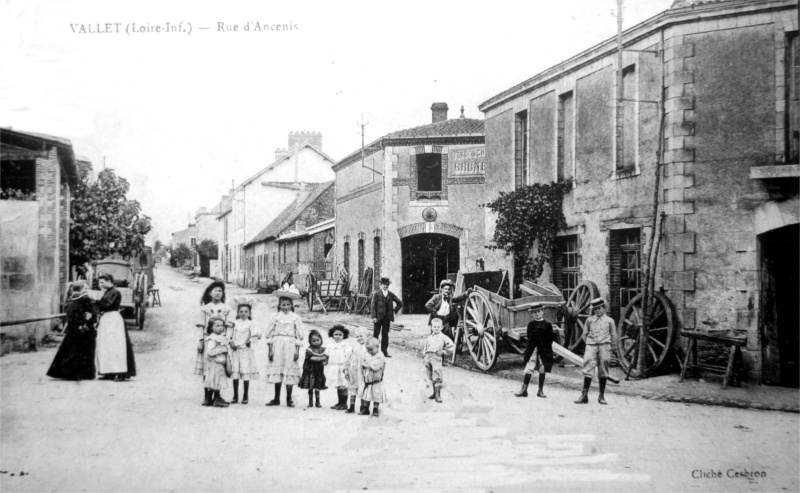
<point x="260" y="198"/>
<point x="729" y="182"/>
<point x="188" y="237"/>
<point x="295" y="240"/>
<point x="37" y="174"/>
<point x="409" y="208"/>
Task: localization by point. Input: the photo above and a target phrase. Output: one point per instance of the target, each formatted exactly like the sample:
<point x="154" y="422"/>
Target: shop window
<point x="521" y="149"/>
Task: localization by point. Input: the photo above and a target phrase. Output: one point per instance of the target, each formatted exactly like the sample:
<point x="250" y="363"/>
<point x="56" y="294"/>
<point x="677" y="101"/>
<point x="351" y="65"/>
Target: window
<point x="377" y="262"/>
<point x="18" y="180"/>
<point x="566" y="264"/>
<point x="566" y="114"/>
<point x="297" y="252"/>
<point x="625" y="271"/>
<point x="626" y="121"/>
<point x="429" y="172"/>
<point x="360" y="259"/>
<point x="347" y="256"/>
<point x="193" y="241"/>
<point x="283" y="247"/>
<point x="792" y="101"/>
<point x="521" y="149"/>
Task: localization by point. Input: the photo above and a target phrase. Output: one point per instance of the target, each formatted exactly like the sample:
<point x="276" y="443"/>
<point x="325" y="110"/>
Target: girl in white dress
<point x="216" y="378"/>
<point x="338" y="353"/>
<point x="243" y="359"/>
<point x="284" y="339"/>
<point x="355" y="379"/>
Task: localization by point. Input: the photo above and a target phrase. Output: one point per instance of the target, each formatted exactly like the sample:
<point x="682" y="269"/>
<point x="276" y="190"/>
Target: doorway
<point x="779" y="315"/>
<point x="427" y="259"/>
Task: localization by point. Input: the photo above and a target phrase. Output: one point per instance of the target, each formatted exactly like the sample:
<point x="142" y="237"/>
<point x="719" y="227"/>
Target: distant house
<point x="300" y="240"/>
<point x="187" y="237"/>
<point x="260" y="198"/>
<point x="36" y="176"/>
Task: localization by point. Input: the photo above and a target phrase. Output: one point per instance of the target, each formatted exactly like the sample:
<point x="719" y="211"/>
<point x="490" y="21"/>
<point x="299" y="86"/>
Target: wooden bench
<point x="731" y="372"/>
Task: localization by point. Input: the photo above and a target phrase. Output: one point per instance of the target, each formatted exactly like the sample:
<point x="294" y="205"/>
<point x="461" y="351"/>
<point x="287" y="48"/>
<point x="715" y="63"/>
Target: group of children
<point x="225" y="350"/>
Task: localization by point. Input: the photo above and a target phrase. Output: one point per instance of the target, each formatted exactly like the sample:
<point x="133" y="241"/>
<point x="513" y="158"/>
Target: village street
<point x="151" y="434"/>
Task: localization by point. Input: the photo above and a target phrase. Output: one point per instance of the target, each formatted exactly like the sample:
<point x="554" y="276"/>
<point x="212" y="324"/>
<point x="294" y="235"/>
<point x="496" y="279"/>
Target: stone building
<point x="730" y="173"/>
<point x="36" y="176"/>
<point x="299" y="240"/>
<point x="188" y="237"/>
<point x="260" y="198"/>
<point x="408" y="208"/>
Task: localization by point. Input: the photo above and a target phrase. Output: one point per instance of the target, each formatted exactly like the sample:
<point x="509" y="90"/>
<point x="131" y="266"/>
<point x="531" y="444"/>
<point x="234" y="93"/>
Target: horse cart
<point x="492" y="315"/>
<point x="328" y="293"/>
<point x="132" y="286"/>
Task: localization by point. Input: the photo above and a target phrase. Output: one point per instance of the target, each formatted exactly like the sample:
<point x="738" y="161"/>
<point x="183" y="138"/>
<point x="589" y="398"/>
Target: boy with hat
<point x="385" y="305"/>
<point x="540" y="338"/>
<point x="443" y="305"/>
<point x="601" y="332"/>
<point x="436" y="346"/>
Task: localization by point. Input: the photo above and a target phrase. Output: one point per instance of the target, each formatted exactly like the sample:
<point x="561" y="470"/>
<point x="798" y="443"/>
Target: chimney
<point x="439" y="112"/>
<point x="303" y="137"/>
<point x="279" y="153"/>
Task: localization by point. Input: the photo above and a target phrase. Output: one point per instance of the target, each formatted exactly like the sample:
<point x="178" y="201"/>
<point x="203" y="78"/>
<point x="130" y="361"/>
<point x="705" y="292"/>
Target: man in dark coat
<point x="384" y="306"/>
<point x="443" y="306"/>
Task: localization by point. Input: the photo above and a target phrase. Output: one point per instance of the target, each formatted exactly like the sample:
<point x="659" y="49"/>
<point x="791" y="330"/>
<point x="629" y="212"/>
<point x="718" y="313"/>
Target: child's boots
<point x="352" y="408"/>
<point x="208" y="401"/>
<point x="316" y="396"/>
<point x="235" y="399"/>
<point x="437" y="392"/>
<point x="364" y="408"/>
<point x="584" y="398"/>
<point x="218" y="401"/>
<point x="375" y="412"/>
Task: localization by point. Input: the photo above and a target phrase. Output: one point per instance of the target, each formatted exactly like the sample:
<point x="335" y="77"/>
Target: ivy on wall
<point x="529" y="215"/>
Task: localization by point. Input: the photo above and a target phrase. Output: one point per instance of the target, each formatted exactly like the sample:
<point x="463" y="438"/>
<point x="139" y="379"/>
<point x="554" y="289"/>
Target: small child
<point x="338" y="353"/>
<point x="436" y="346"/>
<point x="212" y="306"/>
<point x="372" y="366"/>
<point x="313" y="377"/>
<point x="355" y="379"/>
<point x="216" y="351"/>
<point x="243" y="359"/>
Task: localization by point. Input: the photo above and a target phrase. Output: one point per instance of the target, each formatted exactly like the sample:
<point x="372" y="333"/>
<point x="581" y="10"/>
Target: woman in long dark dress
<point x="114" y="351"/>
<point x="75" y="357"/>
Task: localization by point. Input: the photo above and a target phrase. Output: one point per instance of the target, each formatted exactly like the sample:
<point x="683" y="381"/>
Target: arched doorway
<point x="779" y="316"/>
<point x="427" y="259"/>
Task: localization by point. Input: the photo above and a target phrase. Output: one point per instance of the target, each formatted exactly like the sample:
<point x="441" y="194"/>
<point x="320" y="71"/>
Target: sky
<point x="185" y="115"/>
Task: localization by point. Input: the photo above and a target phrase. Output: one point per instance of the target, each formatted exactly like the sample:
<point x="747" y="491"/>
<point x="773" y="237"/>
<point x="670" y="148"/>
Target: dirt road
<point x="151" y="434"/>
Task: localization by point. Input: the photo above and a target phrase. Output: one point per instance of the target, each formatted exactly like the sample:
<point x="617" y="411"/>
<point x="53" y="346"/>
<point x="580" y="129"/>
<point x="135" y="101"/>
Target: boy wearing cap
<point x="601" y="332"/>
<point x="384" y="306"/>
<point x="443" y="305"/>
<point x="436" y="346"/>
<point x="540" y="338"/>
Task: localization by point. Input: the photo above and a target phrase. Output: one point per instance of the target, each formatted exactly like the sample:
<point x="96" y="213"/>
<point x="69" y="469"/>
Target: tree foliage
<point x="104" y="221"/>
<point x="528" y="216"/>
<point x="207" y="249"/>
<point x="180" y="254"/>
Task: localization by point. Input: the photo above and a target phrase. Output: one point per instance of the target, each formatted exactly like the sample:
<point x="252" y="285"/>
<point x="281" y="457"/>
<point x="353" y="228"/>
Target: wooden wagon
<point x="328" y="293"/>
<point x="131" y="285"/>
<point x="491" y="315"/>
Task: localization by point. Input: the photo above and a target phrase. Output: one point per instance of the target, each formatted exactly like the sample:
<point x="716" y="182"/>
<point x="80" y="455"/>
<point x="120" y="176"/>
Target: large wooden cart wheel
<point x="481" y="331"/>
<point x="576" y="311"/>
<point x="139" y="314"/>
<point x="663" y="329"/>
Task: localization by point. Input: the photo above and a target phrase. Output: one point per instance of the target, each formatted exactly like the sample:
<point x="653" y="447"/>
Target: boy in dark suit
<point x="384" y="306"/>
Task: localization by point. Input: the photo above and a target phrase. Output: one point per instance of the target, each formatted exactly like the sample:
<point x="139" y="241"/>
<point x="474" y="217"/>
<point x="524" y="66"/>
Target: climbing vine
<point x="529" y="215"/>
